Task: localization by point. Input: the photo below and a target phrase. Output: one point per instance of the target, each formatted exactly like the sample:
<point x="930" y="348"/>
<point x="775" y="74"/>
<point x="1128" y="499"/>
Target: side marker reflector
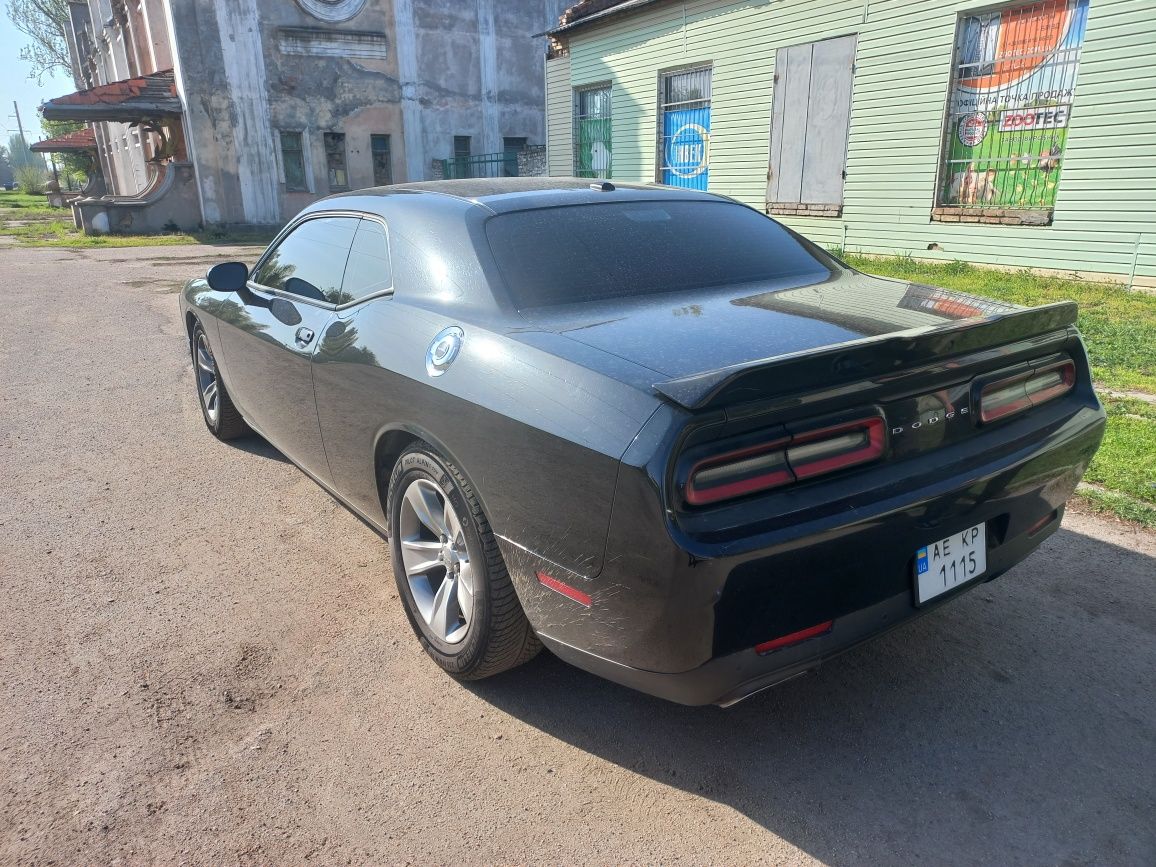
<point x="565" y="589"/>
<point x="794" y="637"/>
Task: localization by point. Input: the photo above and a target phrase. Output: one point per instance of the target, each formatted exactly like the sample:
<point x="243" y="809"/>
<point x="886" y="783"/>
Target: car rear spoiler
<point x="862" y="359"/>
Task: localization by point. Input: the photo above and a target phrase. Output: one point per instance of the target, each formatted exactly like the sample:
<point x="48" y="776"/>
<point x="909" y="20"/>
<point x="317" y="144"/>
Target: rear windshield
<point x="592" y="252"/>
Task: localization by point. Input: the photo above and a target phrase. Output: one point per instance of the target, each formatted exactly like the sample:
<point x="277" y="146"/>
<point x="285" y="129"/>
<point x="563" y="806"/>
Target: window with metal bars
<point x="592" y="128"/>
<point x="1005" y="134"/>
<point x="684" y="127"/>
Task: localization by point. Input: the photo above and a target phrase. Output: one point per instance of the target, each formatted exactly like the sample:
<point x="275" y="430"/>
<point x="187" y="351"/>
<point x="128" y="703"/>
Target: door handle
<point x="304" y="336"/>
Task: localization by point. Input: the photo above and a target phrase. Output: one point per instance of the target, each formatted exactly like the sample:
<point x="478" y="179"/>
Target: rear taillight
<point x="1017" y="393"/>
<point x="733" y="474"/>
<point x="785" y="461"/>
<point x="836" y="448"/>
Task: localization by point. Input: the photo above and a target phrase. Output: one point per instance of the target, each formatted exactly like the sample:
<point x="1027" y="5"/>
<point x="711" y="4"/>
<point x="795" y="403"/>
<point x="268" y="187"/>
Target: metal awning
<point x="80" y="140"/>
<point x="133" y="100"/>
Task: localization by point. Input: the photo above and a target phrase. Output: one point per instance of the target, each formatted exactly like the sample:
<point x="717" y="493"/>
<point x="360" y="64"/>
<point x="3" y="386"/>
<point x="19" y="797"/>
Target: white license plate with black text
<point x="954" y="560"/>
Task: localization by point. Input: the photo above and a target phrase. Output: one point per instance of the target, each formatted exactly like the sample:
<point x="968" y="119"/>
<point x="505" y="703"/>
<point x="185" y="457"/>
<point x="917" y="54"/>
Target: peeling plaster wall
<point x="316" y="94"/>
<point x="250" y="69"/>
<point x="478" y="72"/>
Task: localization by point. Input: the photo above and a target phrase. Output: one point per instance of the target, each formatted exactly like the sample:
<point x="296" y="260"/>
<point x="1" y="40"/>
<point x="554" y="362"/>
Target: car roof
<point x="501" y="195"/>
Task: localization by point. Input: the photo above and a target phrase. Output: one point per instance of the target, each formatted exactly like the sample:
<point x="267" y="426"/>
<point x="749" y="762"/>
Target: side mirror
<point x="228" y="277"/>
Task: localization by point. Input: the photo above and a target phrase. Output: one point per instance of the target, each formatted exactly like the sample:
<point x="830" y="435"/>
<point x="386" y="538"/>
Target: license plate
<point x="954" y="560"/>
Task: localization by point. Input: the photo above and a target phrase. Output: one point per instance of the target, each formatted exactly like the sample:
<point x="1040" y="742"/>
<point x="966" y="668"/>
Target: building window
<point x="382" y="160"/>
<point x="335" y="161"/>
<point x="293" y="162"/>
<point x="592" y="144"/>
<point x="511" y="145"/>
<point x="1005" y="134"/>
<point x="684" y="128"/>
<point x="461" y="156"/>
<point x="810" y="122"/>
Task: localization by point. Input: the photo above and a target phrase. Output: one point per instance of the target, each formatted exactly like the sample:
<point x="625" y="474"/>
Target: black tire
<point x="228" y="423"/>
<point x="499" y="636"/>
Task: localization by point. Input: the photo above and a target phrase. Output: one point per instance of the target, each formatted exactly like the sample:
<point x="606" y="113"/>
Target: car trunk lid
<point x="727" y="345"/>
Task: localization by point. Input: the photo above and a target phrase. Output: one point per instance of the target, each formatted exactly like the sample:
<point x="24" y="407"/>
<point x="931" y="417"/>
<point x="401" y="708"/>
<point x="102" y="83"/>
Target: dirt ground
<point x="203" y="660"/>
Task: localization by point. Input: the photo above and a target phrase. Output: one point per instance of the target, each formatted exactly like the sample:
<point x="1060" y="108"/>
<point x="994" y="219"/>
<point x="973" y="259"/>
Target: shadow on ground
<point x="259" y="446"/>
<point x="989" y="732"/>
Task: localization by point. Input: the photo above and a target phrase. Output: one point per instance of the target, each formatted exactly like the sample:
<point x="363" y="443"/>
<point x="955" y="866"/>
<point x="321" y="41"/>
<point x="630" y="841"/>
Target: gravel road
<point x="203" y="660"/>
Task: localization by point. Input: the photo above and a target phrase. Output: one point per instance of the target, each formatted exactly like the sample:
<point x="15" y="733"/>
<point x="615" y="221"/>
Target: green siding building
<point x="1016" y="135"/>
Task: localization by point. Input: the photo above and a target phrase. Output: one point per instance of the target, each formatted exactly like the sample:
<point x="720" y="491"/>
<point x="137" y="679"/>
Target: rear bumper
<point x="724" y="680"/>
<point x="679" y="618"/>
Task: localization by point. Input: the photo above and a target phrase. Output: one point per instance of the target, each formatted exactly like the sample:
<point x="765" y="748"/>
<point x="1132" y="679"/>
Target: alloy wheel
<point x="436" y="561"/>
<point x="208" y="383"/>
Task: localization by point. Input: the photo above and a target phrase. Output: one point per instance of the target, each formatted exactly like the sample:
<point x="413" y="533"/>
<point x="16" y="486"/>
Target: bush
<point x="31" y="179"/>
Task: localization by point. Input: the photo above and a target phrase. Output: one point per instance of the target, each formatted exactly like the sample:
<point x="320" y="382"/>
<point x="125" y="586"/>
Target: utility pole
<point x="19" y="125"/>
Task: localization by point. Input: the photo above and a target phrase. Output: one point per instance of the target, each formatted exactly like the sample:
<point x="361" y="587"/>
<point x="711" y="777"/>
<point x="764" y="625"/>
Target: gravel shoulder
<point x="203" y="659"/>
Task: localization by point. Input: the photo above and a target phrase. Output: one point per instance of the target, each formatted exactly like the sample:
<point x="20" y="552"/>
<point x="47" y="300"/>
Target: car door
<point x="290" y="300"/>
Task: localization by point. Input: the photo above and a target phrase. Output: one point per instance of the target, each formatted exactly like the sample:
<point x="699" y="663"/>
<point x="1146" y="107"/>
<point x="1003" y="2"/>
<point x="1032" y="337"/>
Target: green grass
<point x="1118" y="325"/>
<point x="28" y="220"/>
<point x="1119" y="328"/>
<point x="1126" y="462"/>
<point x="1118" y="505"/>
<point x="17" y="199"/>
<point x="52" y="230"/>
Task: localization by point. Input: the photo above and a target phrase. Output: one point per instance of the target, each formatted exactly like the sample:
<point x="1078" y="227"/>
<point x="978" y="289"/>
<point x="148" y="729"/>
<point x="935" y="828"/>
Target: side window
<point x="368" y="270"/>
<point x="310" y="260"/>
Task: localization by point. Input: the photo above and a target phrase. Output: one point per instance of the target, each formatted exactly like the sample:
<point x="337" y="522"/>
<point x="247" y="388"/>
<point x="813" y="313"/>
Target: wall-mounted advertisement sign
<point x="1010" y="104"/>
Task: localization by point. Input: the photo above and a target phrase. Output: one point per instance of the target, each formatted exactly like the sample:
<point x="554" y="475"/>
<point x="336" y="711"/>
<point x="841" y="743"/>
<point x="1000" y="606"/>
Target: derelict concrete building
<point x="243" y="111"/>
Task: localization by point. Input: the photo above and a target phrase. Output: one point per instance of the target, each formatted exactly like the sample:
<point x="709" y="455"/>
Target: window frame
<point x="302" y="150"/>
<point x="575" y="119"/>
<point x="823" y="210"/>
<point x="292" y="226"/>
<point x="388" y="138"/>
<point x="942" y="211"/>
<point x="664" y="74"/>
<point x="325" y="137"/>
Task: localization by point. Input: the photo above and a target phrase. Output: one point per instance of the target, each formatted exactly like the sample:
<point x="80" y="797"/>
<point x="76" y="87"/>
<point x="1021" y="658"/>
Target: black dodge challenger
<point x="652" y="429"/>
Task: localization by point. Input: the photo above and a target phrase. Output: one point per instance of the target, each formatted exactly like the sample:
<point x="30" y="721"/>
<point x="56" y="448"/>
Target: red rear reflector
<point x="794" y="637"/>
<point x="565" y="589"/>
<point x="1009" y="396"/>
<point x="835" y="448"/>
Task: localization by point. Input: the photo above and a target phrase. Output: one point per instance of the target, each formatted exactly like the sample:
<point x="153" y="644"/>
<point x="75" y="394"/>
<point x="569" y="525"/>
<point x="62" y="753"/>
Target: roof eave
<point x="621" y="9"/>
<point x="134" y="113"/>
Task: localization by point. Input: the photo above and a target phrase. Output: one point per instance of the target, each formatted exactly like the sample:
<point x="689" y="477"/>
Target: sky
<point x="16" y="85"/>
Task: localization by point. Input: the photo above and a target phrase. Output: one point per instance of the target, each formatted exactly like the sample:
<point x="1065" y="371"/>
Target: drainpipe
<point x="1135" y="260"/>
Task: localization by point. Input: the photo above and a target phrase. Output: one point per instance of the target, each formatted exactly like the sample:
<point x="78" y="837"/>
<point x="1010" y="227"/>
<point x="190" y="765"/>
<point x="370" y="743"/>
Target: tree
<point x="5" y="166"/>
<point x="19" y="155"/>
<point x="71" y="165"/>
<point x="46" y="23"/>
